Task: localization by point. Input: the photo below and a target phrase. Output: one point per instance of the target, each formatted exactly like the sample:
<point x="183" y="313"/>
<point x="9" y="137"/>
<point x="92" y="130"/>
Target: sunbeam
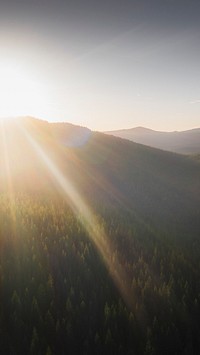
<point x="95" y="231"/>
<point x="8" y="177"/>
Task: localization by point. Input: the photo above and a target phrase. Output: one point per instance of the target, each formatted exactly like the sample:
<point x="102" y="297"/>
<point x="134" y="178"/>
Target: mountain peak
<point x="141" y="129"/>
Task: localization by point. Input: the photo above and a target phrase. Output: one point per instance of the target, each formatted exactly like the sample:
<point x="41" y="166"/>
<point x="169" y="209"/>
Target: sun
<point x="21" y="92"/>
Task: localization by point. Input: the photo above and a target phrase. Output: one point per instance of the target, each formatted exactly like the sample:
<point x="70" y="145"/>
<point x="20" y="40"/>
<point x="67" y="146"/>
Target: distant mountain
<point x="185" y="142"/>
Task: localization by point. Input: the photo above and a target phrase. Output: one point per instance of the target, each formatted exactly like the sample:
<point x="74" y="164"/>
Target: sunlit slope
<point x="20" y="163"/>
<point x="158" y="187"/>
<point x="20" y="166"/>
<point x="185" y="142"/>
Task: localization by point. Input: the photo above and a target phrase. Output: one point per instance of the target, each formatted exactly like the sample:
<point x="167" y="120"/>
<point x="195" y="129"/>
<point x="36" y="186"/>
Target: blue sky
<point x="105" y="65"/>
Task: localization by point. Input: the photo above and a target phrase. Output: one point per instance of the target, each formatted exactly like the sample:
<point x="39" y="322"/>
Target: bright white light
<point x="20" y="92"/>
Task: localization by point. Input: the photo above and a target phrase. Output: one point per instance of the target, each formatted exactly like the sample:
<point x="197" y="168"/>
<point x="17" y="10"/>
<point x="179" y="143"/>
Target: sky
<point x="106" y="64"/>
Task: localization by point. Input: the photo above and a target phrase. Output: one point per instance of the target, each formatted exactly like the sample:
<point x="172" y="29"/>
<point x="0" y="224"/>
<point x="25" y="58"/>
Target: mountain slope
<point x="99" y="244"/>
<point x="158" y="186"/>
<point x="153" y="185"/>
<point x="185" y="142"/>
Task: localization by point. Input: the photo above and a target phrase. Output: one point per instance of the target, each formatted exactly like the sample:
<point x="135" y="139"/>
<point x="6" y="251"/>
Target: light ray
<point x="7" y="177"/>
<point x="95" y="231"/>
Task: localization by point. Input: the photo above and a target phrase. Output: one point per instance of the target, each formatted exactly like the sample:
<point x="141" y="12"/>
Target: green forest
<point x="99" y="245"/>
<point x="57" y="296"/>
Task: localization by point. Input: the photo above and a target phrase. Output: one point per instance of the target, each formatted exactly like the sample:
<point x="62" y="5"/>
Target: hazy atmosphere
<point x="102" y="64"/>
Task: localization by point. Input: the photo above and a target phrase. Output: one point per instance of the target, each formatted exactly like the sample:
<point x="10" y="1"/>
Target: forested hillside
<point x="99" y="243"/>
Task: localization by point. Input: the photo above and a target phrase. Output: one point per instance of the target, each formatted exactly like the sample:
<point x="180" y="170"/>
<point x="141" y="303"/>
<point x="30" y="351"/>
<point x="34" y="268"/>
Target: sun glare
<point x="21" y="93"/>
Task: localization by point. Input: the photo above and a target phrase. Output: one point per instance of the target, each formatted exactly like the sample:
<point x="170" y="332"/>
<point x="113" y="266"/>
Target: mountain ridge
<point x="155" y="184"/>
<point x="182" y="142"/>
<point x="146" y="129"/>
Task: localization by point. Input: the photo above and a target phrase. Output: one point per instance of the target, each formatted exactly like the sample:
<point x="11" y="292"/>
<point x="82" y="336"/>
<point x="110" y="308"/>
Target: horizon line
<point x="52" y="121"/>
